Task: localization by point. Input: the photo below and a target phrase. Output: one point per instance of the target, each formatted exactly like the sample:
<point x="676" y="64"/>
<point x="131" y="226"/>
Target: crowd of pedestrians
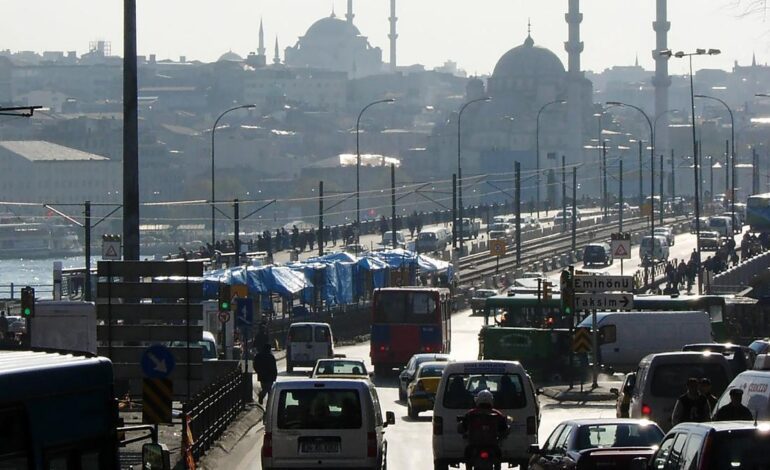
<point x="698" y="403"/>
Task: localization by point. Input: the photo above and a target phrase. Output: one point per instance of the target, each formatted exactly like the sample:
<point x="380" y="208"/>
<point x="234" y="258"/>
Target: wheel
<point x="439" y="465"/>
<point x="412" y="412"/>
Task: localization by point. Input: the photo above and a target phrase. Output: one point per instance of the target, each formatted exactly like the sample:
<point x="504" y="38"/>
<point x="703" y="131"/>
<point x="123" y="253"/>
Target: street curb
<point x="588" y="395"/>
<point x="234" y="434"/>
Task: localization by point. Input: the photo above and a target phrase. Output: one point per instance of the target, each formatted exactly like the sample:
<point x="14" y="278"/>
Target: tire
<point x="439" y="465"/>
<point x="411" y="411"/>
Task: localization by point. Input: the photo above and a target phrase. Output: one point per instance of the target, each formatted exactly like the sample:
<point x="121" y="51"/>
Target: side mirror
<point x="390" y="418"/>
<point x="639" y="463"/>
<point x="615" y="392"/>
<point x="533" y="449"/>
<point x="155" y="457"/>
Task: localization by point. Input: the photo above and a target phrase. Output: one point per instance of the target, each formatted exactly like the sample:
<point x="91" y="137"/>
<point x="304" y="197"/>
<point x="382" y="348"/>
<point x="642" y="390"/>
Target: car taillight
<point x="704" y="458"/>
<point x="384" y="348"/>
<point x="427" y="349"/>
<point x="267" y="445"/>
<point x="371" y="444"/>
<point x="438" y="425"/>
<point x="646" y="410"/>
<point x="484" y="455"/>
<point x="532" y="426"/>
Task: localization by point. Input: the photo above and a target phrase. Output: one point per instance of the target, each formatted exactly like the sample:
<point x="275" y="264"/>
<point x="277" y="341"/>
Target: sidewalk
<point x="585" y="393"/>
<point x="218" y="456"/>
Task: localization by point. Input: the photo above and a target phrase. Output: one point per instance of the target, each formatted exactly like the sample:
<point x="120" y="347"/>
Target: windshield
<point x="499" y="227"/>
<point x="739" y="450"/>
<point x="594" y="250"/>
<point x="618" y="435"/>
<point x="404" y="307"/>
<point x="717" y="222"/>
<point x="340" y="368"/>
<point x="319" y="409"/>
<point x="426" y="236"/>
<point x="507" y="389"/>
<point x="431" y="370"/>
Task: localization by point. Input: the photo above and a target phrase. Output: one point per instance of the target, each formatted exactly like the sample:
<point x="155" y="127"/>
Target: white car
<point x="666" y="232"/>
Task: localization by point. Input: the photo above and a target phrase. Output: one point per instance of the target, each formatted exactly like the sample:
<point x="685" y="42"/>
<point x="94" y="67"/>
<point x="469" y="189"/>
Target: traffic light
<point x="567" y="293"/>
<point x="28" y="302"/>
<point x="224" y="297"/>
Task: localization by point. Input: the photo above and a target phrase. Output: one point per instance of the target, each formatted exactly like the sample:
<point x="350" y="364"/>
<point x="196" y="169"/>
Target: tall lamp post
<point x="680" y="55"/>
<point x="732" y="146"/>
<point x="213" y="192"/>
<point x="459" y="221"/>
<point x="358" y="164"/>
<point x="652" y="172"/>
<point x="537" y="149"/>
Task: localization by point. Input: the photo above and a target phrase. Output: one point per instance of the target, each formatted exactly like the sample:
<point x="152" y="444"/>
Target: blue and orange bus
<point x="408" y="321"/>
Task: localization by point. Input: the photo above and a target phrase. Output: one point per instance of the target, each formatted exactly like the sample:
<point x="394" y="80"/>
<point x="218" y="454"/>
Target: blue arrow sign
<point x="157" y="362"/>
<point x="244" y="313"/>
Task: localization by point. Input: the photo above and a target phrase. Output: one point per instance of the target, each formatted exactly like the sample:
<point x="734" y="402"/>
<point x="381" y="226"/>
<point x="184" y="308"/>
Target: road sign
<point x="157" y="396"/>
<point x="239" y="290"/>
<point x="604" y="283"/>
<point x="603" y="301"/>
<point x="621" y="249"/>
<point x="157" y="362"/>
<point x="224" y="317"/>
<point x="111" y="250"/>
<point x="244" y="313"/>
<point x="497" y="247"/>
<point x="581" y="342"/>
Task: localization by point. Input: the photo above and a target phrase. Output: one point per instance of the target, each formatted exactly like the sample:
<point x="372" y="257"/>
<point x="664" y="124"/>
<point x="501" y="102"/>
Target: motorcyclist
<point x="483" y="426"/>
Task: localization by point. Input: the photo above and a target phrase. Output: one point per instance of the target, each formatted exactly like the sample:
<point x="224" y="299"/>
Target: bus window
<point x="423" y="304"/>
<point x="13" y="439"/>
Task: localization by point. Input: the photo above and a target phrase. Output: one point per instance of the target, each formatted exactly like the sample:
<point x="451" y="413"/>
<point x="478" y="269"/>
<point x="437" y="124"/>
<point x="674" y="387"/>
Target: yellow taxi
<point x="422" y="390"/>
<point x="340" y="369"/>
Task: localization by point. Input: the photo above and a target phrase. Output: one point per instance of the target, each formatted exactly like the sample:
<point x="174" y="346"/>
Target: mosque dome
<point x="230" y="56"/>
<point x="331" y="27"/>
<point x="528" y="60"/>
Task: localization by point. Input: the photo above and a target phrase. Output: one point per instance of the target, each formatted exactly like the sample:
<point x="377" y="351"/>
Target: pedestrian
<point x="735" y="410"/>
<point x="705" y="390"/>
<point x="691" y="407"/>
<point x="3" y="325"/>
<point x="266" y="370"/>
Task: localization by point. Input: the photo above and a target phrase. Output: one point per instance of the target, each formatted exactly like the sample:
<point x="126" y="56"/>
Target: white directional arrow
<point x="160" y="364"/>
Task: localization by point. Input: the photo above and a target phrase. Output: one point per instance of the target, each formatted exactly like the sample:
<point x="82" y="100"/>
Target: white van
<point x="756" y="389"/>
<point x="387" y="239"/>
<point x="722" y="225"/>
<point x="514" y="396"/>
<point x="662" y="378"/>
<point x="661" y="251"/>
<point x="626" y="337"/>
<point x="307" y="342"/>
<point x="325" y="423"/>
<point x="433" y="239"/>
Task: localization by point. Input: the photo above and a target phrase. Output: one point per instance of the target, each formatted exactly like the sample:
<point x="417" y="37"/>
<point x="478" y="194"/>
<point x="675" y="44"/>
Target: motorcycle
<point x="483" y="451"/>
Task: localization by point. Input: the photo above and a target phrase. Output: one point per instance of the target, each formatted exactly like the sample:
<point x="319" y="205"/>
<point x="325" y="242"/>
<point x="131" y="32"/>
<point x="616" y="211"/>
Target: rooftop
<point x="40" y="150"/>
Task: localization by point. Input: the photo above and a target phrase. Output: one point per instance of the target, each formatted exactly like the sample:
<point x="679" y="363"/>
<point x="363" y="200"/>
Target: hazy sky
<point x="473" y="33"/>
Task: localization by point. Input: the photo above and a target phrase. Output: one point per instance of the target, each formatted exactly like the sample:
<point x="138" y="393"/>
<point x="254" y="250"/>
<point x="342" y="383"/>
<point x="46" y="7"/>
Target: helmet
<point x="485" y="397"/>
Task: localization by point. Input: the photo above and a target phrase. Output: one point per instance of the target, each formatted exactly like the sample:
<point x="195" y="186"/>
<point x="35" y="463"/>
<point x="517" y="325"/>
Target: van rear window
<point x="302" y="333"/>
<point x="508" y="390"/>
<point x="738" y="449"/>
<point x="670" y="380"/>
<point x="319" y="409"/>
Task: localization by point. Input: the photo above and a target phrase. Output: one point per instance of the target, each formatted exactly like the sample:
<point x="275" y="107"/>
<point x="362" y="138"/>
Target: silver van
<point x="662" y="378"/>
<point x="435" y="239"/>
<point x="325" y="423"/>
<point x="307" y="342"/>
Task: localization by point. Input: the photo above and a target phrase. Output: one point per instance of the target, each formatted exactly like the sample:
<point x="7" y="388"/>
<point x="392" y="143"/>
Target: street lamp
<point x="459" y="221"/>
<point x="213" y="193"/>
<point x="652" y="173"/>
<point x="358" y="164"/>
<point x="680" y="55"/>
<point x="537" y="150"/>
<point x="732" y="147"/>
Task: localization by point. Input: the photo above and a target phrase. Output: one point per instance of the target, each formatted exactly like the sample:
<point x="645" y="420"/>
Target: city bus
<point x="758" y="213"/>
<point x="408" y="321"/>
<point x="57" y="411"/>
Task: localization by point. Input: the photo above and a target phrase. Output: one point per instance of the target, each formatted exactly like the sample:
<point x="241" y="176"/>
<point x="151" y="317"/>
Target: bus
<point x="528" y="310"/>
<point x="57" y="411"/>
<point x="408" y="321"/>
<point x="758" y="212"/>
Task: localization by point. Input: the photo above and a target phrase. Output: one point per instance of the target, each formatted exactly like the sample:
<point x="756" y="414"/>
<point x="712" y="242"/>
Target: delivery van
<point x="307" y="342"/>
<point x="627" y="337"/>
<point x="756" y="389"/>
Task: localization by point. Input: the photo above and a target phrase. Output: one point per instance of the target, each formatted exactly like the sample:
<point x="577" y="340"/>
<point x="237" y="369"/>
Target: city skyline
<point x="474" y="37"/>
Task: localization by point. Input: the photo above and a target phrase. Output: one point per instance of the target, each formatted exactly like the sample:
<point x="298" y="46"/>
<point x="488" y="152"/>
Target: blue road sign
<point x="157" y="362"/>
<point x="244" y="312"/>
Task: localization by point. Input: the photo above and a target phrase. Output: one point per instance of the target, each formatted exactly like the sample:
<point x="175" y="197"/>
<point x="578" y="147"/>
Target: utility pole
<point x="130" y="135"/>
<point x="517" y="192"/>
<point x="454" y="211"/>
<point x="755" y="172"/>
<point x="641" y="178"/>
<point x="673" y="176"/>
<point x="237" y="230"/>
<point x="87" y="240"/>
<point x="661" y="191"/>
<point x="564" y="192"/>
<point x="620" y="196"/>
<point x="393" y="203"/>
<point x="574" y="205"/>
<point x="605" y="193"/>
<point x="320" y="218"/>
<point x="727" y="168"/>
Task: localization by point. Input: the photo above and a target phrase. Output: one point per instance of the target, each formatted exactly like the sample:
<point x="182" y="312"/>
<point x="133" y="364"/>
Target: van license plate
<point x="320" y="446"/>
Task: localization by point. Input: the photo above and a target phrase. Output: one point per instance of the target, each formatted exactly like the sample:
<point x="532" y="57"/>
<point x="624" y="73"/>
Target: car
<point x="704" y="223"/>
<point x="723" y="225"/>
<point x="306" y="343"/>
<point x="597" y="253"/>
<point x="596" y="443"/>
<point x="500" y="230"/>
<point x="736" y="218"/>
<point x="207" y="343"/>
<point x="479" y="299"/>
<point x="340" y="369"/>
<point x="710" y="241"/>
<point x="355" y="248"/>
<point x="760" y="346"/>
<point x="564" y="216"/>
<point x="711" y="446"/>
<point x="532" y="275"/>
<point x="325" y="423"/>
<point x="387" y="239"/>
<point x="660" y="251"/>
<point x="529" y="222"/>
<point x="421" y="392"/>
<point x="407" y="375"/>
<point x="739" y="357"/>
<point x="623" y="402"/>
<point x="666" y="232"/>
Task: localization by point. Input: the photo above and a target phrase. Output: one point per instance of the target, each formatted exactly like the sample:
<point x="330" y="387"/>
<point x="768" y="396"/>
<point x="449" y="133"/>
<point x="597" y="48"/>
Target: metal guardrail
<point x="207" y="415"/>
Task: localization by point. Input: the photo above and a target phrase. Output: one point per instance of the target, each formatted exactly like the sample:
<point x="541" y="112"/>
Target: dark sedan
<point x="596" y="443"/>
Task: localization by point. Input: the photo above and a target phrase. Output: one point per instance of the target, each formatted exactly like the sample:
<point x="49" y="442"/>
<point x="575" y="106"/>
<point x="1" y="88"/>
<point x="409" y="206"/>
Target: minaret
<point x="575" y="81"/>
<point x="661" y="81"/>
<point x="277" y="57"/>
<point x="349" y="16"/>
<point x="393" y="36"/>
<point x="261" y="50"/>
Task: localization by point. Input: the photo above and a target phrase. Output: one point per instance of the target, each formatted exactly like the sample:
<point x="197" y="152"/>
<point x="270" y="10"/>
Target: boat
<point x="37" y="240"/>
